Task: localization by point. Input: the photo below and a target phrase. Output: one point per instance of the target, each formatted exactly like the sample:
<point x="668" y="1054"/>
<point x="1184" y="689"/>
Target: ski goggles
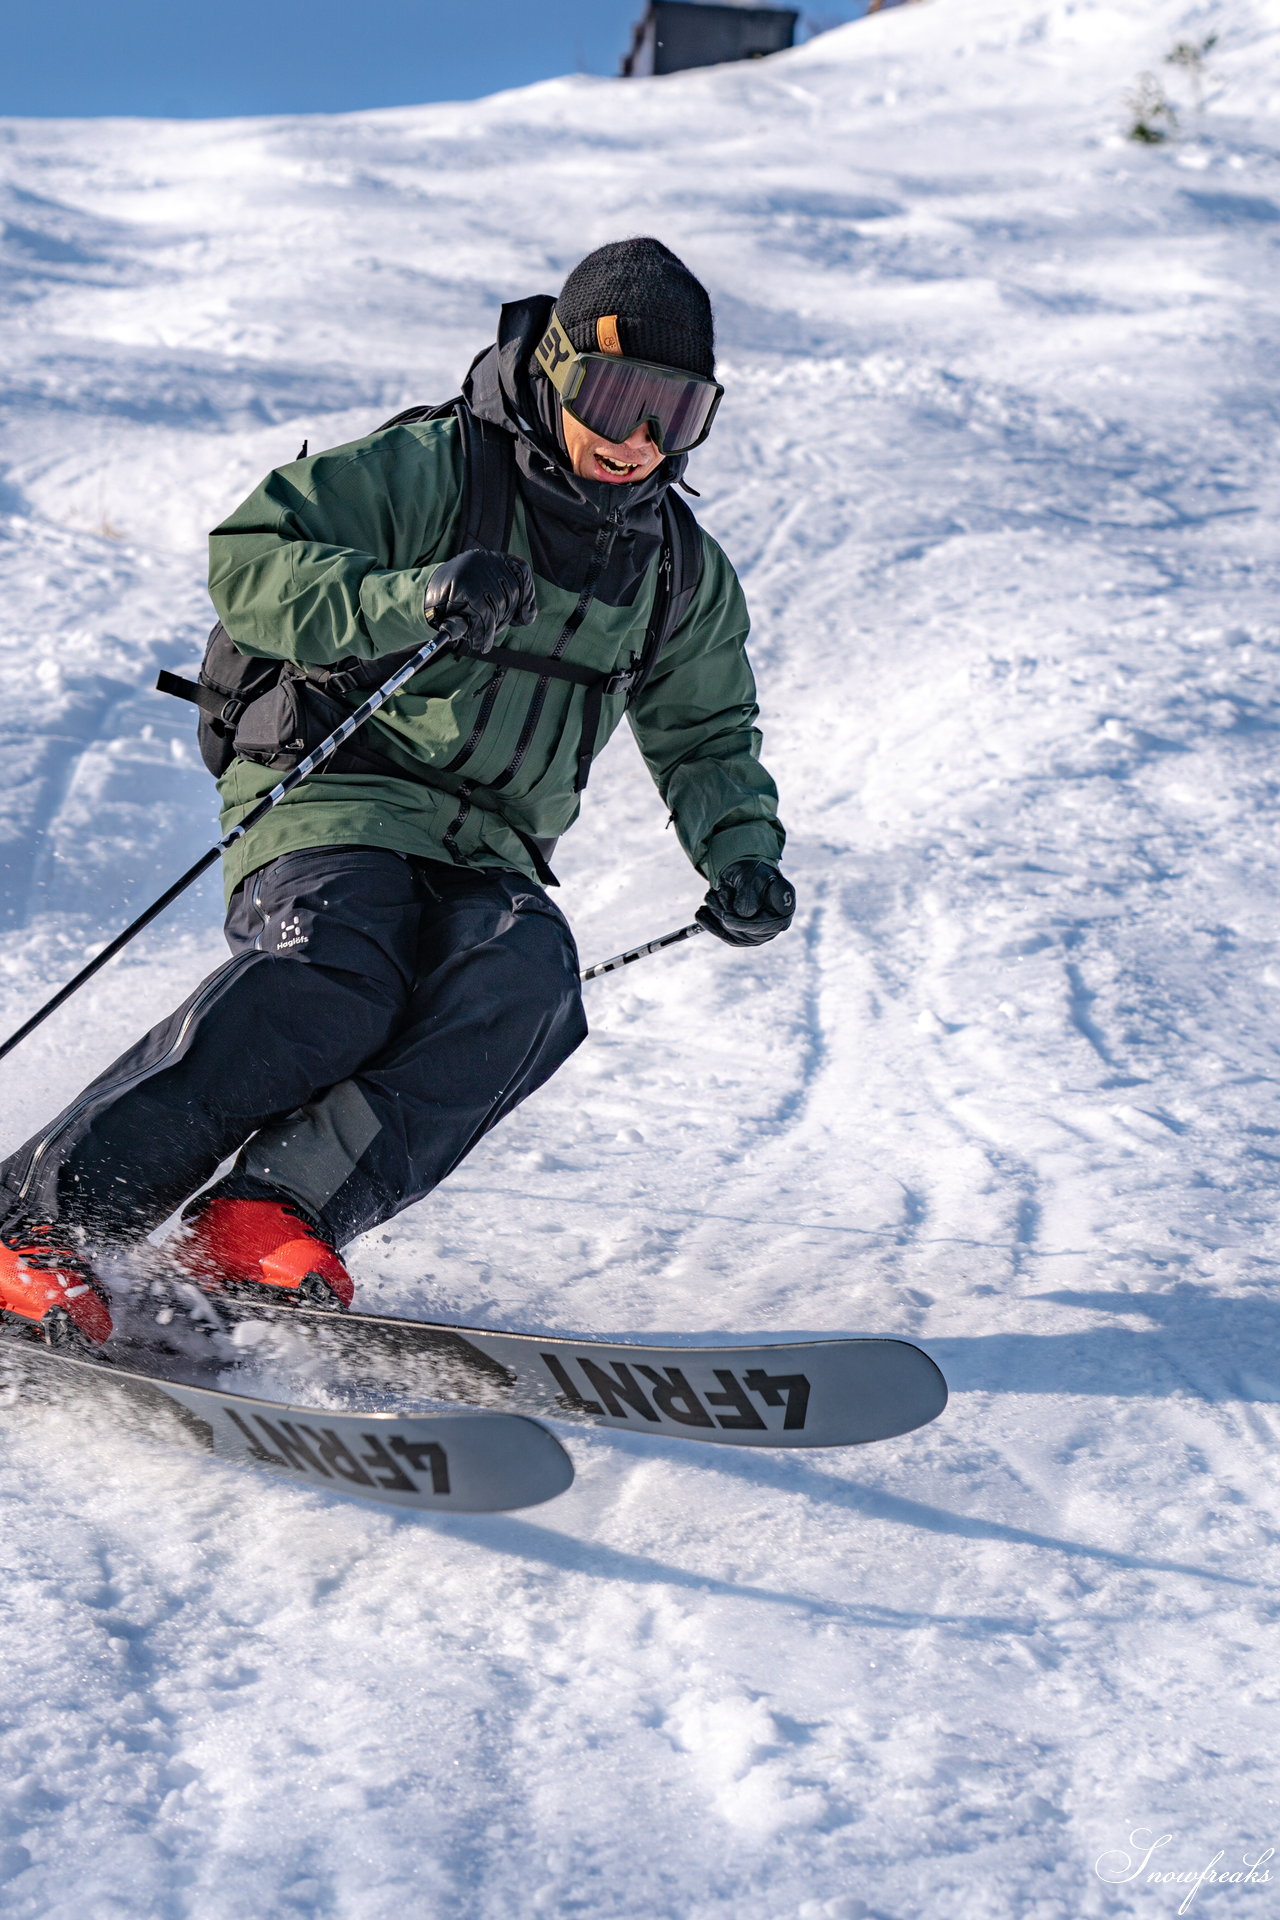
<point x="612" y="396"/>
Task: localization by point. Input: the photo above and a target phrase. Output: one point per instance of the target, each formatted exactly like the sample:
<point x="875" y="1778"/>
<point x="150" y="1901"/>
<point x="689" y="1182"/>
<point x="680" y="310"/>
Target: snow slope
<point x="996" y="463"/>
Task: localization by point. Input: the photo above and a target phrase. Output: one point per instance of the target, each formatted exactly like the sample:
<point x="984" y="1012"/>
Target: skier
<point x="399" y="978"/>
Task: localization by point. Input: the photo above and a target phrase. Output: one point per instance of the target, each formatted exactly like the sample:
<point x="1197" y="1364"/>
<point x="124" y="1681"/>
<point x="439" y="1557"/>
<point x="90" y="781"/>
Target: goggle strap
<point x="555" y="353"/>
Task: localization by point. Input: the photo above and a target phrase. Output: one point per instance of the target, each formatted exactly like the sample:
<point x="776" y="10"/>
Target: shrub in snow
<point x="1192" y="56"/>
<point x="1155" y="118"/>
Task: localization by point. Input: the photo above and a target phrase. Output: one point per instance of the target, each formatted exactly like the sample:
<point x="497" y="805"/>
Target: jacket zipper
<point x="456" y="825"/>
<point x="599" y="560"/>
<point x="477" y="733"/>
<point x="206" y="993"/>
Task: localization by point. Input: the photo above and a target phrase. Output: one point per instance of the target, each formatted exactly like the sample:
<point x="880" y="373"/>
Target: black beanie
<point x="663" y="313"/>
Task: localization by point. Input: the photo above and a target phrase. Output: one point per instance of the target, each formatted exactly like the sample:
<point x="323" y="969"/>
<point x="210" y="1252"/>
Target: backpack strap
<point x="212" y="705"/>
<point x="489" y="485"/>
<point x="679" y="577"/>
<point x="488" y="473"/>
<point x="408" y="415"/>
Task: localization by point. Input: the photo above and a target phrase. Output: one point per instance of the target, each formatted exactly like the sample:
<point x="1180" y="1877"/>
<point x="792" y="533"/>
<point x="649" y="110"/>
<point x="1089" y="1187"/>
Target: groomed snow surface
<point x="997" y="466"/>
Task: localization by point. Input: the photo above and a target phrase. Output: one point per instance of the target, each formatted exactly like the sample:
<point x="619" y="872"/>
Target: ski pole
<point x="638" y="953"/>
<point x="448" y="631"/>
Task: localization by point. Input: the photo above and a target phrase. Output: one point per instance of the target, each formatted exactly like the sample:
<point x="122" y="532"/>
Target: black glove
<point x="487" y="590"/>
<point x="749" y="904"/>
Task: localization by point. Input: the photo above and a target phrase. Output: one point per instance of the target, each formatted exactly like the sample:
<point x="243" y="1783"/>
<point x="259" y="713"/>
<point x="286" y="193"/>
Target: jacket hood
<point x="503" y="388"/>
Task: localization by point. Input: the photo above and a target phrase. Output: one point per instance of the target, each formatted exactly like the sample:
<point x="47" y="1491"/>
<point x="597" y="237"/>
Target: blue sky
<point x="170" y="57"/>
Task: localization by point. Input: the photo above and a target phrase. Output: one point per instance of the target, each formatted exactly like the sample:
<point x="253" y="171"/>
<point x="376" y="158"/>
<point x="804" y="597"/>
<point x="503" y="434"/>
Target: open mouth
<point x="618" y="469"/>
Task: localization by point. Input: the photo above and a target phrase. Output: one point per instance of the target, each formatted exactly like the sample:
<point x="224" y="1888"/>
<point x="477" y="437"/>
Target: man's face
<point x="614" y="461"/>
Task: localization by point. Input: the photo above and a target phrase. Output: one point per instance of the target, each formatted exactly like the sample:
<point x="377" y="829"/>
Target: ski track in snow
<point x="997" y="465"/>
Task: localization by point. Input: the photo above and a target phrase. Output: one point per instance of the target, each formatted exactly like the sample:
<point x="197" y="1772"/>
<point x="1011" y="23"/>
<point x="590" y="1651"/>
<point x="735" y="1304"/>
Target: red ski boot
<point x="267" y="1245"/>
<point x="48" y="1291"/>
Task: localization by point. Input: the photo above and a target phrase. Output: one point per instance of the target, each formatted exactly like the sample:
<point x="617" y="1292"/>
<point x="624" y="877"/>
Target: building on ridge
<point x="677" y="34"/>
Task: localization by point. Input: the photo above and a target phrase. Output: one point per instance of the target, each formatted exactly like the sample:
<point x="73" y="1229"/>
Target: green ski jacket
<point x="328" y="559"/>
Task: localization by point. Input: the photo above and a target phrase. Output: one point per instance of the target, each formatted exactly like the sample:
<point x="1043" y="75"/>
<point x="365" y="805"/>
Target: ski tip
<point x="507" y="1461"/>
<point x="931" y="1391"/>
<point x="902" y="1391"/>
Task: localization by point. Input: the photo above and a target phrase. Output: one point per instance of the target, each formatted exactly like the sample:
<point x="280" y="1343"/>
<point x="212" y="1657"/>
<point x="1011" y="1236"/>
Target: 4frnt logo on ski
<point x="670" y="1394"/>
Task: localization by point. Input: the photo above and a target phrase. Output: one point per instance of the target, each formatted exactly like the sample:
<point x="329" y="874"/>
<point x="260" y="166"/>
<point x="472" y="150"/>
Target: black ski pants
<point x="378" y="1015"/>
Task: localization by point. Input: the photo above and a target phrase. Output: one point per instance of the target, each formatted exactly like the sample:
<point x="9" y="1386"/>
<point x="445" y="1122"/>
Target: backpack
<point x="274" y="711"/>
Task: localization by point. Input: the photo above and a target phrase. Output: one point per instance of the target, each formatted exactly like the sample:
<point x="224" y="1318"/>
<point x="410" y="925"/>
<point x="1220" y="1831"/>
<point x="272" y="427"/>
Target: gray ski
<point x="811" y="1393"/>
<point x="453" y="1462"/>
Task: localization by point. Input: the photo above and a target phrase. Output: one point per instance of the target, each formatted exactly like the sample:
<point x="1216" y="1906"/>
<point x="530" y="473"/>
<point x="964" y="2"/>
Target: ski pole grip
<point x="453" y="628"/>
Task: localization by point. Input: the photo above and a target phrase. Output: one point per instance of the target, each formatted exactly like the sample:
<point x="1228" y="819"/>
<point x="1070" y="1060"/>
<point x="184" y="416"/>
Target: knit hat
<point x="661" y="312"/>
